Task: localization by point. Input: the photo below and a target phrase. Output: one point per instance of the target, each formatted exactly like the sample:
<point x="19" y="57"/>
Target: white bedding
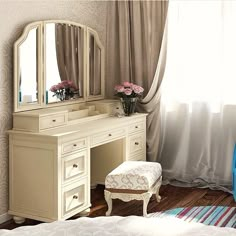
<point x="120" y="226"/>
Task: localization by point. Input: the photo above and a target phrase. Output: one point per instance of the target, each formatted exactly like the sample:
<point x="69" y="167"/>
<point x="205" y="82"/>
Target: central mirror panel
<point x="64" y="61"/>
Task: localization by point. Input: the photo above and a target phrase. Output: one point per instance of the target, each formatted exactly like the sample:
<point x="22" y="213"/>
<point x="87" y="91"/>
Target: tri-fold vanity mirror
<point x="57" y="62"/>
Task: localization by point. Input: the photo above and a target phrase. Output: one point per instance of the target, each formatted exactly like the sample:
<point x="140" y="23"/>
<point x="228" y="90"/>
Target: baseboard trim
<point x="5" y="217"/>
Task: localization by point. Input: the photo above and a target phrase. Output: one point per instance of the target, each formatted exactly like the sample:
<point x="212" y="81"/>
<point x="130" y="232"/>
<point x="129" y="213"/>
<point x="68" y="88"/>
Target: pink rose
<point x="53" y="88"/>
<point x="137" y="89"/>
<point x="60" y="86"/>
<point x="128" y="91"/>
<point x="70" y="83"/>
<point x="119" y="88"/>
<point x="65" y="82"/>
<point x="127" y="84"/>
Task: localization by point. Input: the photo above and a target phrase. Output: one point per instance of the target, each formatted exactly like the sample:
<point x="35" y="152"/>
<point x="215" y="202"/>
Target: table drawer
<point x="137" y="126"/>
<point x="74" y="145"/>
<point x="108" y="135"/>
<point x="136" y="143"/>
<point x="74" y="166"/>
<point x="53" y="121"/>
<point x="75" y="197"/>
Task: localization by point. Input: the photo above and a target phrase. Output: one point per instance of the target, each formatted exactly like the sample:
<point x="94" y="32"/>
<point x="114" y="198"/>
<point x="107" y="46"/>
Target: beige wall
<point x="14" y="15"/>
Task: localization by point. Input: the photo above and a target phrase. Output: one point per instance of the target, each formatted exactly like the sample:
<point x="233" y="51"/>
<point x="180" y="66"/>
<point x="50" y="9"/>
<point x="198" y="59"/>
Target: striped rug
<point x="210" y="215"/>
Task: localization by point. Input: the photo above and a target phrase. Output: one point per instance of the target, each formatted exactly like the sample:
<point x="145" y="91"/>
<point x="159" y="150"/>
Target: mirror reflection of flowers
<point x="128" y="90"/>
<point x="64" y="90"/>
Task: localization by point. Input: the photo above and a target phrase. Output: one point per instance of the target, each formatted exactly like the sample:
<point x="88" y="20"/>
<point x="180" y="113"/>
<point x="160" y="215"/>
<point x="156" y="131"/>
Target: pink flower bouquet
<point x="128" y="90"/>
<point x="128" y="93"/>
<point x="64" y="90"/>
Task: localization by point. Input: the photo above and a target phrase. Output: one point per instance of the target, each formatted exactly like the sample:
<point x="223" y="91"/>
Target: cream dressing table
<point x="59" y="149"/>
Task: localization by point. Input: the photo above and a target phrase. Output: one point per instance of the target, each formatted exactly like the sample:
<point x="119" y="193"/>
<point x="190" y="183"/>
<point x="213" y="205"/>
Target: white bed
<point x="120" y="226"/>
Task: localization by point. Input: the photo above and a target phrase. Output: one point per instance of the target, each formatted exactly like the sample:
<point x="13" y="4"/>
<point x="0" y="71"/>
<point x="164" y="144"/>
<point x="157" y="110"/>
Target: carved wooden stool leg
<point x="158" y="197"/>
<point x="146" y="198"/>
<point x="109" y="202"/>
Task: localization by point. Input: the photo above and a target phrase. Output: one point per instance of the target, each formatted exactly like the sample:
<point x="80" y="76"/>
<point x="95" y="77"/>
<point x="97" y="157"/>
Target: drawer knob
<point x="54" y="120"/>
<point x="110" y="135"/>
<point x="75" y="197"/>
<point x="136" y="143"/>
<point x="75" y="166"/>
<point x="74" y="144"/>
<point x="136" y="127"/>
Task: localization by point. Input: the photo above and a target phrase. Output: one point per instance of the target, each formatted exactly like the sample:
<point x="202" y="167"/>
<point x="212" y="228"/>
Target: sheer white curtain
<point x="198" y="104"/>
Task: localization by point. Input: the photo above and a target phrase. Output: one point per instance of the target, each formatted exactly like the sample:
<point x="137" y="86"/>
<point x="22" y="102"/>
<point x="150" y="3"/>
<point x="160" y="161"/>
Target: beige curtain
<point x="136" y="53"/>
<point x="69" y="50"/>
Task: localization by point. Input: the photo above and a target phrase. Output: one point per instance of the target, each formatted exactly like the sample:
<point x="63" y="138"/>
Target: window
<point x="201" y="53"/>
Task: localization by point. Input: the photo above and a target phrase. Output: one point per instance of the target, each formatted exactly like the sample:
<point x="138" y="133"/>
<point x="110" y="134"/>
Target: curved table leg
<point x="19" y="219"/>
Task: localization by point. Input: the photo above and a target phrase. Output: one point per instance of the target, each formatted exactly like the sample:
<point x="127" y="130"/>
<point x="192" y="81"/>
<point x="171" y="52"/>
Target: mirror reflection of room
<point x="64" y="55"/>
<point x="94" y="67"/>
<point x="28" y="77"/>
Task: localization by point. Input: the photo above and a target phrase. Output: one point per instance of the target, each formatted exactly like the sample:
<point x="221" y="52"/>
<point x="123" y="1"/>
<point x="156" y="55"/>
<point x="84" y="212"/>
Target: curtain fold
<point x="118" y="45"/>
<point x="69" y="51"/>
<point x="198" y="103"/>
<point x="136" y="53"/>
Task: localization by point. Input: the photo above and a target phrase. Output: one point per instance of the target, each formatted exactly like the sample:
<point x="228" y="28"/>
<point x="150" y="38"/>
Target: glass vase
<point x="60" y="96"/>
<point x="128" y="105"/>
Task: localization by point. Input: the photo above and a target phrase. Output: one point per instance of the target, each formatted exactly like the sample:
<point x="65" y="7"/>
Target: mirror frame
<point x="16" y="53"/>
<point x="42" y="67"/>
<point x="95" y="97"/>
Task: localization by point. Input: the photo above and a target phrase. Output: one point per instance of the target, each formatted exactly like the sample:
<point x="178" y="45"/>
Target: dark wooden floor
<point x="172" y="197"/>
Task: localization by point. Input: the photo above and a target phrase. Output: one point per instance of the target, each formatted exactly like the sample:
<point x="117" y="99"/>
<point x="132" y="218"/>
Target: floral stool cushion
<point x="134" y="175"/>
<point x="133" y="180"/>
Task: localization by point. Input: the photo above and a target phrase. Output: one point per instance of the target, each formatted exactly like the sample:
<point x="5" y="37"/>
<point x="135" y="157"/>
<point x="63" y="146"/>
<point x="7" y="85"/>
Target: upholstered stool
<point x="133" y="180"/>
